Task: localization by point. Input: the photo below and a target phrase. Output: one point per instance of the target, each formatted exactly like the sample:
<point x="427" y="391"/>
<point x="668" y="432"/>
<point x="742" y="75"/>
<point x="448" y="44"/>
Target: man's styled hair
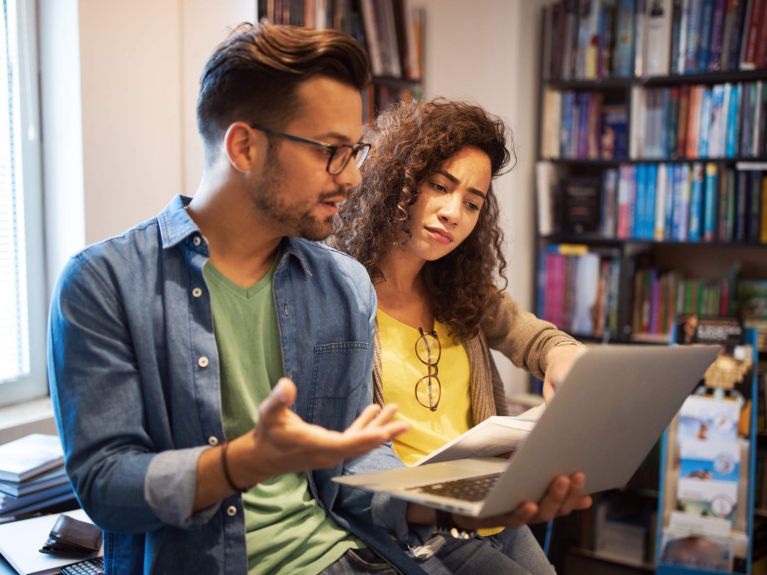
<point x="253" y="75"/>
<point x="410" y="142"/>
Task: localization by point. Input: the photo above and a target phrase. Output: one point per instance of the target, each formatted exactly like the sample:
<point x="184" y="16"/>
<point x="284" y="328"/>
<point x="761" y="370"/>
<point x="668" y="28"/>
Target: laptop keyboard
<point x="470" y="489"/>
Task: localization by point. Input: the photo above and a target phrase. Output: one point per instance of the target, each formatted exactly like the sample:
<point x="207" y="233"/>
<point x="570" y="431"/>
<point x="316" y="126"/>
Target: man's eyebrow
<point x="453" y="179"/>
<point x="337" y="137"/>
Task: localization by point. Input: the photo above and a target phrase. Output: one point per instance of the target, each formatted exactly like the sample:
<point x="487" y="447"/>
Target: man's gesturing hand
<point x="282" y="442"/>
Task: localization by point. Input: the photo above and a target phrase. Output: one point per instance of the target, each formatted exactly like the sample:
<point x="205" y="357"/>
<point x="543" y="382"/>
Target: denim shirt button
<point x="213" y="440"/>
<point x="196" y="240"/>
<point x="203" y="361"/>
<point x="196" y="292"/>
<point x="231" y="511"/>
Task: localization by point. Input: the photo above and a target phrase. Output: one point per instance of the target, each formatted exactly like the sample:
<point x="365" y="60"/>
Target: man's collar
<point x="176" y="225"/>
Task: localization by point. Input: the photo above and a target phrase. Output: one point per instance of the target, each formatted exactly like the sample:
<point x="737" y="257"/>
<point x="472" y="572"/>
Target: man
<point x="165" y="345"/>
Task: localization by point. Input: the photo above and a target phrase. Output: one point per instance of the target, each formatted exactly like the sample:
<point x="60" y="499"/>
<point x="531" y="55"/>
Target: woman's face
<point x="448" y="204"/>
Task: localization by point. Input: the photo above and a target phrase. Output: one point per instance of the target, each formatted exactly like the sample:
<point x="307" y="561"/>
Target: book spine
<point x="763" y="226"/>
<point x="717" y="32"/>
<point x="658" y="48"/>
<point x="624" y="42"/>
<point x="696" y="202"/>
<point x="659" y="228"/>
<point x="754" y="206"/>
<point x="705" y="34"/>
<point x="693" y="36"/>
<point x="710" y="202"/>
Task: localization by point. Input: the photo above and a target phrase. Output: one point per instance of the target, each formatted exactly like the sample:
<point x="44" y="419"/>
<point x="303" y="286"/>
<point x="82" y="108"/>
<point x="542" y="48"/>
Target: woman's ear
<point x="242" y="146"/>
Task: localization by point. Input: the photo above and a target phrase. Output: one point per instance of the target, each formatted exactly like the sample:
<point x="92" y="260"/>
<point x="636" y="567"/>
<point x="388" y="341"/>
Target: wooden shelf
<point x="593" y="239"/>
<point x="602" y="162"/>
<point x="651" y="81"/>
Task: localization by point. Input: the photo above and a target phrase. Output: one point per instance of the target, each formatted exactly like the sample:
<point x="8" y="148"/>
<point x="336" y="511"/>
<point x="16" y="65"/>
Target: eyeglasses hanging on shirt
<point x="428" y="389"/>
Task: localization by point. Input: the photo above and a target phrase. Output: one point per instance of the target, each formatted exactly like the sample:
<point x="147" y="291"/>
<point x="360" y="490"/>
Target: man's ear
<point x="241" y="146"/>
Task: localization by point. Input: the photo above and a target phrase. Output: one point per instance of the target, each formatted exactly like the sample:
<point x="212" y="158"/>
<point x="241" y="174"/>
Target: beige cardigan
<point x="519" y="335"/>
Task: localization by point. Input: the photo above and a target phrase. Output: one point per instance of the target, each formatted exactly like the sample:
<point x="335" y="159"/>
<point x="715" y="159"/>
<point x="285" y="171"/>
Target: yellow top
<point x="401" y="370"/>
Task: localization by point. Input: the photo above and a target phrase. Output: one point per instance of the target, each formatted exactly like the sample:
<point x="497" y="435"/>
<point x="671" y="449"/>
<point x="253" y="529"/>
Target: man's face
<point x="295" y="190"/>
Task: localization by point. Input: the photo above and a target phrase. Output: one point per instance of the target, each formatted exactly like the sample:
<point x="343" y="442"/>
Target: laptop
<point x="604" y="419"/>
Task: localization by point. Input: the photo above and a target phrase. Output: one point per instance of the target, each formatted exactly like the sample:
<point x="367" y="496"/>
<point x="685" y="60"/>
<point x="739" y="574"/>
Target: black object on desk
<point x="72" y="537"/>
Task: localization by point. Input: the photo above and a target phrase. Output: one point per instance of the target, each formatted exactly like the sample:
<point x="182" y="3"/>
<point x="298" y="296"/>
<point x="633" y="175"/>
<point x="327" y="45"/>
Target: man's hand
<point x="559" y="360"/>
<point x="282" y="442"/>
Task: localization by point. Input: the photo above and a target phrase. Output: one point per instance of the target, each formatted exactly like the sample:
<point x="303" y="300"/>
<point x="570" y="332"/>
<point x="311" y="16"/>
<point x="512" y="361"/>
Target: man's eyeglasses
<point x="428" y="389"/>
<point x="338" y="156"/>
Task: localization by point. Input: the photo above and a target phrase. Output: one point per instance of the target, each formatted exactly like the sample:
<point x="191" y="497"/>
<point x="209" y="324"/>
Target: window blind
<point x="14" y="325"/>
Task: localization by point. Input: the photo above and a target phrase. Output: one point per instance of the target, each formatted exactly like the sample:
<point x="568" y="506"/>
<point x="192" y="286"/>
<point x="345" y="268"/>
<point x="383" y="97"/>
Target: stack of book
<point x="32" y="476"/>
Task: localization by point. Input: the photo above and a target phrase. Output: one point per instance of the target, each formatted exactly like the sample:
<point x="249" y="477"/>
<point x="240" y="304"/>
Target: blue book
<point x="731" y="146"/>
<point x="696" y="203"/>
<point x="710" y="201"/>
<point x="705" y="34"/>
<point x="676" y="24"/>
<point x="566" y="135"/>
<point x="705" y="123"/>
<point x="624" y="41"/>
<point x="682" y="203"/>
<point x="650" y="198"/>
<point x="693" y="36"/>
<point x="640" y="177"/>
<point x="670" y="198"/>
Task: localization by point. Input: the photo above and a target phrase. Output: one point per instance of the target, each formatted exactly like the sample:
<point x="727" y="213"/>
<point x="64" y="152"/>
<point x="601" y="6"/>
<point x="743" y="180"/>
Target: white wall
<point x="487" y="52"/>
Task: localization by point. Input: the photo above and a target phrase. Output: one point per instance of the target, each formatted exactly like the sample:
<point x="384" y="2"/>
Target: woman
<point x="424" y="223"/>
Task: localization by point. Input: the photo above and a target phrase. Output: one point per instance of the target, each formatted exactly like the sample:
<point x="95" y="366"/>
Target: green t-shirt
<point x="286" y="530"/>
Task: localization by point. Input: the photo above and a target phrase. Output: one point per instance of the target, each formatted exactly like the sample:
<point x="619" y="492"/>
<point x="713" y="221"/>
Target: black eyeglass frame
<point x="358" y="151"/>
<point x="430" y="365"/>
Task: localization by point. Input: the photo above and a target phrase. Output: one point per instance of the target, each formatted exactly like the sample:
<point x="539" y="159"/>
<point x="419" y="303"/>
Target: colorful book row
<point x="590" y="39"/>
<point x="720" y="121"/>
<point x="688" y="202"/>
<point x="578" y="289"/>
<point x="659" y="296"/>
<point x="583" y="125"/>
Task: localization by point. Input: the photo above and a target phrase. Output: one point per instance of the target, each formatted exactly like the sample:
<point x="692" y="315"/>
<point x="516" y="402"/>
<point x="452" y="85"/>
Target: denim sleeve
<point x="96" y="387"/>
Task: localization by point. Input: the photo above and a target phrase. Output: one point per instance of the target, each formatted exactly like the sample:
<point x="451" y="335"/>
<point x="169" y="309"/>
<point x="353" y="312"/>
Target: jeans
<point x="363" y="561"/>
<point x="513" y="552"/>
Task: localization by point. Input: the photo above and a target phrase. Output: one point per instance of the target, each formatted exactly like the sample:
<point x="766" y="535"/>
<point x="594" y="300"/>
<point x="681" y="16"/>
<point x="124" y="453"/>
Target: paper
<point x="497" y="435"/>
<point x="20" y="542"/>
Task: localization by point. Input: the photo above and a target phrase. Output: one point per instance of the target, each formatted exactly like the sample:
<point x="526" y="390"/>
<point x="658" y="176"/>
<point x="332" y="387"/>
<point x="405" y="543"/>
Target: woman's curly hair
<point x="411" y="141"/>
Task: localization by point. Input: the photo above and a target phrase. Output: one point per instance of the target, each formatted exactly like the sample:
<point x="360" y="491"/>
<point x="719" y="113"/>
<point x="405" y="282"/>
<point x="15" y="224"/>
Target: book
<point x="658" y="47"/>
<point x="581" y="201"/>
<point x="496" y="435"/>
<point x="50" y="479"/>
<point x="29" y="456"/>
<point x="10" y="505"/>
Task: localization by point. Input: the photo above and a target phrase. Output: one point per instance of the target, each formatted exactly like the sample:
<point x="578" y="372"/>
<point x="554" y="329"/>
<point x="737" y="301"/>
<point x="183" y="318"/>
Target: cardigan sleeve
<point x="521" y="336"/>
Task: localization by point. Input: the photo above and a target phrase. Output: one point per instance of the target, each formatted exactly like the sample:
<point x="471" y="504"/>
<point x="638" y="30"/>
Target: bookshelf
<point x="391" y="30"/>
<point x="651" y="196"/>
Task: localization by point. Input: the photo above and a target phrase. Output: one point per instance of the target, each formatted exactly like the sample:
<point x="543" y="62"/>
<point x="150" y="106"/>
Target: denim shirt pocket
<point x="339" y="379"/>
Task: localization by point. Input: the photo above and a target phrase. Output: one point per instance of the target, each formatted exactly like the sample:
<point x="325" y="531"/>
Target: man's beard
<point x="296" y="221"/>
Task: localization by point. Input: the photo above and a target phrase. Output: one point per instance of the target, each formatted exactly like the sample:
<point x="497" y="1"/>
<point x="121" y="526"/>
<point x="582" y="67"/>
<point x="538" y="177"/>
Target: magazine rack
<point x="708" y="459"/>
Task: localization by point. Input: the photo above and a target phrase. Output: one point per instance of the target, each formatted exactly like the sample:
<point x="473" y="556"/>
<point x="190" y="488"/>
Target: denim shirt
<point x="134" y="374"/>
